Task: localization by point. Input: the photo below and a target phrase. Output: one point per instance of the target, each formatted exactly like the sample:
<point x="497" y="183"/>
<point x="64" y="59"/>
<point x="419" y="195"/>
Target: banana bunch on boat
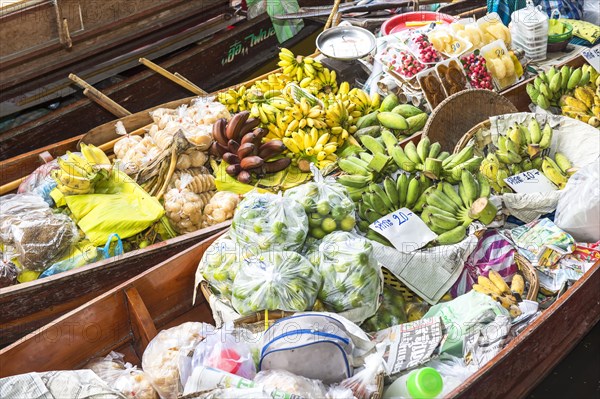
<point x="76" y="175"/>
<point x="239" y="143"/>
<point x="583" y="104"/>
<point x="521" y="150"/>
<point x="495" y="287"/>
<point x="402" y="119"/>
<point x="548" y="87"/>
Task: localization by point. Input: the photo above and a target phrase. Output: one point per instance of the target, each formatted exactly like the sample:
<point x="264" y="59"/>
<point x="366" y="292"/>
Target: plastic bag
<point x="351" y="276"/>
<point x="220" y="208"/>
<point x="160" y="359"/>
<point x="37" y="235"/>
<point x="391" y="312"/>
<point x="493" y="252"/>
<point x="364" y="383"/>
<point x="85" y="254"/>
<point x="184" y="207"/>
<point x="454" y="372"/>
<point x="40" y="182"/>
<point x="225" y="351"/>
<point x="275" y="281"/>
<point x="8" y="274"/>
<point x="124" y="377"/>
<point x="288" y="382"/>
<point x="270" y="221"/>
<point x="339" y="392"/>
<point x="578" y="210"/>
<point x="591" y="12"/>
<point x="326" y="204"/>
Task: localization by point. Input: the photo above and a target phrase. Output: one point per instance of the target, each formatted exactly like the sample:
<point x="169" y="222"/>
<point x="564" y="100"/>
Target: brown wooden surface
<point x="105" y="323"/>
<point x="525" y="361"/>
<point x="201" y="64"/>
<point x="28" y="306"/>
<point x="142" y="326"/>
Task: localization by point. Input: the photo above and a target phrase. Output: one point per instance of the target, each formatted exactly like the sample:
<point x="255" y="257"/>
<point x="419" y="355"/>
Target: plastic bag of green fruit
<point x="352" y="277"/>
<point x="220" y="264"/>
<point x="391" y="312"/>
<point x="275" y="281"/>
<point x="269" y="222"/>
<point x="327" y="205"/>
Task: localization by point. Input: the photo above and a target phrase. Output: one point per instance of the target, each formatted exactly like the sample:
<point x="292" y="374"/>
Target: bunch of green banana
<point x="448" y="213"/>
<point x="583" y="105"/>
<point x="548" y="87"/>
<point x="76" y="175"/>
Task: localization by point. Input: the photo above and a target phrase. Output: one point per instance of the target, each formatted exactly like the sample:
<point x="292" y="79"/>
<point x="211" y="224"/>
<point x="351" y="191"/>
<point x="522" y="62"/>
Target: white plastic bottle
<point x="423" y="383"/>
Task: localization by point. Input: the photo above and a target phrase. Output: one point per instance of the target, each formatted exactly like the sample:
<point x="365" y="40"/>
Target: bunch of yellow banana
<point x="583" y="105"/>
<point x="495" y="287"/>
<point x="298" y="67"/>
<point x="311" y="145"/>
<point x="338" y="116"/>
<point x="273" y="81"/>
<point x="365" y="104"/>
<point x="558" y="170"/>
<point x="77" y="174"/>
<point x="268" y="108"/>
<point x="234" y="100"/>
<point x="327" y="81"/>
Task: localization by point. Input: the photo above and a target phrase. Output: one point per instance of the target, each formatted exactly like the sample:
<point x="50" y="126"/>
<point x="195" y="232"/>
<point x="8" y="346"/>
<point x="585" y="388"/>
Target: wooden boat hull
<point x="127" y="317"/>
<point x="28" y="306"/>
<point x="218" y="62"/>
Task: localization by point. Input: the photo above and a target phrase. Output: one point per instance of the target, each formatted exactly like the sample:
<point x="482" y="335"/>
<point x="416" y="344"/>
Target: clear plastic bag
<point x="40" y="182"/>
<point x="326" y="204"/>
<point x="285" y="381"/>
<point x="8" y="274"/>
<point x="578" y="210"/>
<point x="220" y="264"/>
<point x="124" y="377"/>
<point x="184" y="207"/>
<point x="37" y="235"/>
<point x="161" y="357"/>
<point x="364" y="383"/>
<point x="351" y="276"/>
<point x="391" y="312"/>
<point x="220" y="208"/>
<point x="275" y="281"/>
<point x="270" y="221"/>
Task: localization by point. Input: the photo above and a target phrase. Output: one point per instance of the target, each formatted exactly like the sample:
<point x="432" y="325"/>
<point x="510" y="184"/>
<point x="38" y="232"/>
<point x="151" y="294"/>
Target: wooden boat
<point x="126" y="318"/>
<point x="235" y="46"/>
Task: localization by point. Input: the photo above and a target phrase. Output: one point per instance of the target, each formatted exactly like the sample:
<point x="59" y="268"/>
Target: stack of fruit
<point x="548" y="87"/>
<point x="495" y="286"/>
<point x="520" y="150"/>
<point x="76" y="175"/>
<point x="239" y="143"/>
<point x="477" y="74"/>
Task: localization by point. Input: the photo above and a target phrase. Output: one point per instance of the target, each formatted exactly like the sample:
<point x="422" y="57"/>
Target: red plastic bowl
<point x="398" y="23"/>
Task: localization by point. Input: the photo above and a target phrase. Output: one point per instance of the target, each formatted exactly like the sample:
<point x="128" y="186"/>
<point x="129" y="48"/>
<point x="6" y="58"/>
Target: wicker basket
<point x="530" y="276"/>
<point x="458" y="113"/>
<point x="464" y="141"/>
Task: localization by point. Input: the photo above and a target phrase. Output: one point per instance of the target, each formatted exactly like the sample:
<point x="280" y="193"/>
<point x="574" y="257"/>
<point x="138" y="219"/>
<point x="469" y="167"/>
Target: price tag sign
<point x="592" y="56"/>
<point x="404" y="229"/>
<point x="532" y="181"/>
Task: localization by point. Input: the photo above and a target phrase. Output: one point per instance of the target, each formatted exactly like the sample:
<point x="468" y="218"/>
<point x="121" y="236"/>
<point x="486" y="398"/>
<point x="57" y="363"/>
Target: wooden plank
<point x="142" y="326"/>
<point x="525" y="361"/>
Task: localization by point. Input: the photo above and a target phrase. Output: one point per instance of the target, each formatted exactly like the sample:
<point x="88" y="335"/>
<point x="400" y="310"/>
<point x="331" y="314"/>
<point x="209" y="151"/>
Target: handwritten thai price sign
<point x="592" y="56"/>
<point x="404" y="230"/>
<point x="531" y="181"/>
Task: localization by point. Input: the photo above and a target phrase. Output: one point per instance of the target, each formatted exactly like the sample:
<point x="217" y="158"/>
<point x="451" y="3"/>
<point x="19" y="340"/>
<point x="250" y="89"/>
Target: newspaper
<point x="79" y="384"/>
<point x="430" y="272"/>
<point x="409" y="345"/>
<point x="481" y="346"/>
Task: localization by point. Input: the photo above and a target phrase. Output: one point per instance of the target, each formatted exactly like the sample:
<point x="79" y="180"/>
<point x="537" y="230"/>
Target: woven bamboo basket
<point x="530" y="276"/>
<point x="458" y="113"/>
<point x="472" y="133"/>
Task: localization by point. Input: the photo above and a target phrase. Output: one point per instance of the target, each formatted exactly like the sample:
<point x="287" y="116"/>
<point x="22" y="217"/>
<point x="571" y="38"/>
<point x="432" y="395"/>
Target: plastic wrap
<point x="326" y="204"/>
<point x="184" y="207"/>
<point x="220" y="264"/>
<point x="38" y="235"/>
<point x="160" y="359"/>
<point x="287" y="382"/>
<point x="275" y="281"/>
<point x="270" y="221"/>
<point x="40" y="182"/>
<point x="220" y="208"/>
<point x="351" y="276"/>
<point x="578" y="210"/>
<point x="8" y="274"/>
<point x="391" y="312"/>
<point x="127" y="379"/>
<point x="364" y="383"/>
<point x="339" y="392"/>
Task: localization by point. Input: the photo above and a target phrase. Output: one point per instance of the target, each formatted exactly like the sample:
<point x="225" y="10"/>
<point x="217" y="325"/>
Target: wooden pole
<point x="175" y="78"/>
<point x="334" y="11"/>
<point x="99" y="98"/>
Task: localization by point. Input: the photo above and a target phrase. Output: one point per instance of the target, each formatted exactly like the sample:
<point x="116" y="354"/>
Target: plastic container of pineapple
<point x="500" y="64"/>
<point x="493" y="29"/>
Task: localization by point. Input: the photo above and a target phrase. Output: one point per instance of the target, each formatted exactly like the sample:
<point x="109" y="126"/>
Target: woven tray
<point x="458" y="113"/>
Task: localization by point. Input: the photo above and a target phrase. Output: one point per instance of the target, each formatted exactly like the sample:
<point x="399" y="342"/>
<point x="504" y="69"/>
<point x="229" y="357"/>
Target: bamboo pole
<point x="334" y="10"/>
<point x="99" y="98"/>
<point x="175" y="78"/>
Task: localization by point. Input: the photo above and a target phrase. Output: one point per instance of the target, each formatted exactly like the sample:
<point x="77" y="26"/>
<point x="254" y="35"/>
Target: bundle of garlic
<point x="184" y="208"/>
<point x="220" y="208"/>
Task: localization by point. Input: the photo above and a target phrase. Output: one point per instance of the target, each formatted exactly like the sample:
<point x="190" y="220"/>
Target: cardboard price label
<point x="592" y="56"/>
<point x="404" y="230"/>
<point x="532" y="181"/>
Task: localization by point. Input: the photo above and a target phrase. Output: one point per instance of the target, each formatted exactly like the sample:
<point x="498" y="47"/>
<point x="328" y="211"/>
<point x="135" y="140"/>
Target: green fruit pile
<point x="350" y="273"/>
<point x="269" y="221"/>
<point x="391" y="312"/>
<point x="220" y="264"/>
<point x="548" y="87"/>
<point x="327" y="206"/>
<point x="275" y="281"/>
